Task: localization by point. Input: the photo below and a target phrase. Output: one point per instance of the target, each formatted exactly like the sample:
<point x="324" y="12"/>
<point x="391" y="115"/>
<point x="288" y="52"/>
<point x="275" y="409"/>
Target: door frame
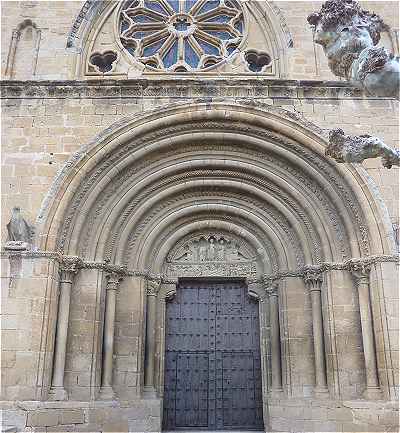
<point x="168" y="290"/>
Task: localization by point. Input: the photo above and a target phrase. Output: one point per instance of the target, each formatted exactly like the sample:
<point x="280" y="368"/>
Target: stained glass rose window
<point x="181" y="35"/>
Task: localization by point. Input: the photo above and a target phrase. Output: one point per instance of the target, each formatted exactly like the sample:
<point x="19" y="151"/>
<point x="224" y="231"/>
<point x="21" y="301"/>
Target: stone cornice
<point x="349" y="265"/>
<point x="153" y="87"/>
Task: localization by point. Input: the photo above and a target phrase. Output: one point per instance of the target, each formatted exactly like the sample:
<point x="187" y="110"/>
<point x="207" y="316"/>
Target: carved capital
<point x="312" y="277"/>
<point x="153" y="287"/>
<point x="113" y="280"/>
<point x="271" y="288"/>
<point x="360" y="269"/>
<point x="69" y="267"/>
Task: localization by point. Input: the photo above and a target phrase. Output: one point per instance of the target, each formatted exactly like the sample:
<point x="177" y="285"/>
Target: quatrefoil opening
<point x="103" y="62"/>
<point x="257" y="61"/>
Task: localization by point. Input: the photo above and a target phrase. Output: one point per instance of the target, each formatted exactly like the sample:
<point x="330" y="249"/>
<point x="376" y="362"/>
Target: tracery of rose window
<point x="181" y="35"/>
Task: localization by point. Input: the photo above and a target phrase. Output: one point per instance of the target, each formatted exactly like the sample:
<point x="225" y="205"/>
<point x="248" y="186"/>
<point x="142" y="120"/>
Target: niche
<point x="23" y="51"/>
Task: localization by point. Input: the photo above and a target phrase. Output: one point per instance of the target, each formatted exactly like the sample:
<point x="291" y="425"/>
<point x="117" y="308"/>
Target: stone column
<point x="313" y="280"/>
<point x="67" y="272"/>
<point x="276" y="364"/>
<point x="152" y="290"/>
<point x="361" y="273"/>
<point x="106" y="390"/>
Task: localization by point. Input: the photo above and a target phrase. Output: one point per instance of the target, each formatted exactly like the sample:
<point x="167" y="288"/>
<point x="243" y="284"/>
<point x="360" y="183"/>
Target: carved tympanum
<point x="211" y="255"/>
<point x="346" y="148"/>
<point x="210" y="249"/>
<point x="349" y="35"/>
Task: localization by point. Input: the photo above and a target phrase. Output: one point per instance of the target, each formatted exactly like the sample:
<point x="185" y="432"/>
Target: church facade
<point x="180" y="253"/>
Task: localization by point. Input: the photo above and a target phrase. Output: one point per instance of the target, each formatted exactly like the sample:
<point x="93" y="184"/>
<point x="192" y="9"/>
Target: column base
<point x="149" y="392"/>
<point x="373" y="393"/>
<point x="106" y="393"/>
<point x="321" y="392"/>
<point x="276" y="393"/>
<point x="58" y="393"/>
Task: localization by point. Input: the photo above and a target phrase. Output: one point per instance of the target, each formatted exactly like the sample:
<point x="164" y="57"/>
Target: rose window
<point x="181" y="35"/>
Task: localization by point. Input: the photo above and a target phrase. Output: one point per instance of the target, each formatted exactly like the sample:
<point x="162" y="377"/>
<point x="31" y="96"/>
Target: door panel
<point x="212" y="360"/>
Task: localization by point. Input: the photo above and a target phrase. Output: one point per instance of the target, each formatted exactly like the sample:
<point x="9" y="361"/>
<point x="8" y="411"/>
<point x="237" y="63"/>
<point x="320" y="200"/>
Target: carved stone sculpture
<point x="20" y="233"/>
<point x="346" y="148"/>
<point x="349" y="35"/>
<point x="211" y="255"/>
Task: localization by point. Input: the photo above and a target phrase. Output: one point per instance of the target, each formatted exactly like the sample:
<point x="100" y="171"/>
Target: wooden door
<point x="212" y="360"/>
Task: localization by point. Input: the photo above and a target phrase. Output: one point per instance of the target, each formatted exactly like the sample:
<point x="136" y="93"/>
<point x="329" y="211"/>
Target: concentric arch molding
<point x="283" y="141"/>
<point x="299" y="137"/>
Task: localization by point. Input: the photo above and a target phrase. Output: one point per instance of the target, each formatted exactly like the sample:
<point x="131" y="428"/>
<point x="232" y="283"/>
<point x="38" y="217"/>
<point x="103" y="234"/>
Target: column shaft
<point x="106" y="391"/>
<point x="373" y="389"/>
<point x="57" y="391"/>
<point x="275" y="343"/>
<point x="150" y="341"/>
<point x="319" y="346"/>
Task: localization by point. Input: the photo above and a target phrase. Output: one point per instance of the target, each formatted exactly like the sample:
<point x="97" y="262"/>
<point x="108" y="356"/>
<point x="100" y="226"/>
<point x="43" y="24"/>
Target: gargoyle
<point x="349" y="35"/>
<point x="346" y="148"/>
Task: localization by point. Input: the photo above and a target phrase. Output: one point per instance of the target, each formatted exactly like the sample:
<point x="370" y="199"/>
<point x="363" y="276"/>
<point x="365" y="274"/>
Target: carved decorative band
<point x="213" y="269"/>
<point x="194" y="88"/>
<point x="357" y="266"/>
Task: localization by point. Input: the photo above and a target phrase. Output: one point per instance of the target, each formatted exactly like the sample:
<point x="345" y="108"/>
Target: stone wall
<point x="306" y="61"/>
<point x="46" y="122"/>
<point x="48" y="118"/>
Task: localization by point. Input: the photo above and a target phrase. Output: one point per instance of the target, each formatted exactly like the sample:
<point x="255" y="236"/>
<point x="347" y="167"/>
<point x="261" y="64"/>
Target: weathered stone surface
<point x="348" y="35"/>
<point x="120" y="171"/>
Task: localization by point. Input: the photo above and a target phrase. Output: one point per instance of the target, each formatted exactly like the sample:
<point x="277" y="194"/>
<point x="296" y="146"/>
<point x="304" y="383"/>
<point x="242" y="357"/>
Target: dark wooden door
<point x="212" y="359"/>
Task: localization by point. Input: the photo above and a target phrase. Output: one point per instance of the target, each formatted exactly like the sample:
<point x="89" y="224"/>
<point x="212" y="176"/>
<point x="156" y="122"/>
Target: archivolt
<point x="262" y="169"/>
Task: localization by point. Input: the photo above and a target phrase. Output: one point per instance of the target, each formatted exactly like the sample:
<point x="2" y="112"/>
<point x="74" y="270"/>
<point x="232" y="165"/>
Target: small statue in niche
<point x="20" y="233"/>
<point x="195" y="251"/>
<point x="221" y="250"/>
<point x="211" y="249"/>
<point x="347" y="148"/>
<point x="202" y="251"/>
<point x="189" y="253"/>
<point x="349" y="35"/>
